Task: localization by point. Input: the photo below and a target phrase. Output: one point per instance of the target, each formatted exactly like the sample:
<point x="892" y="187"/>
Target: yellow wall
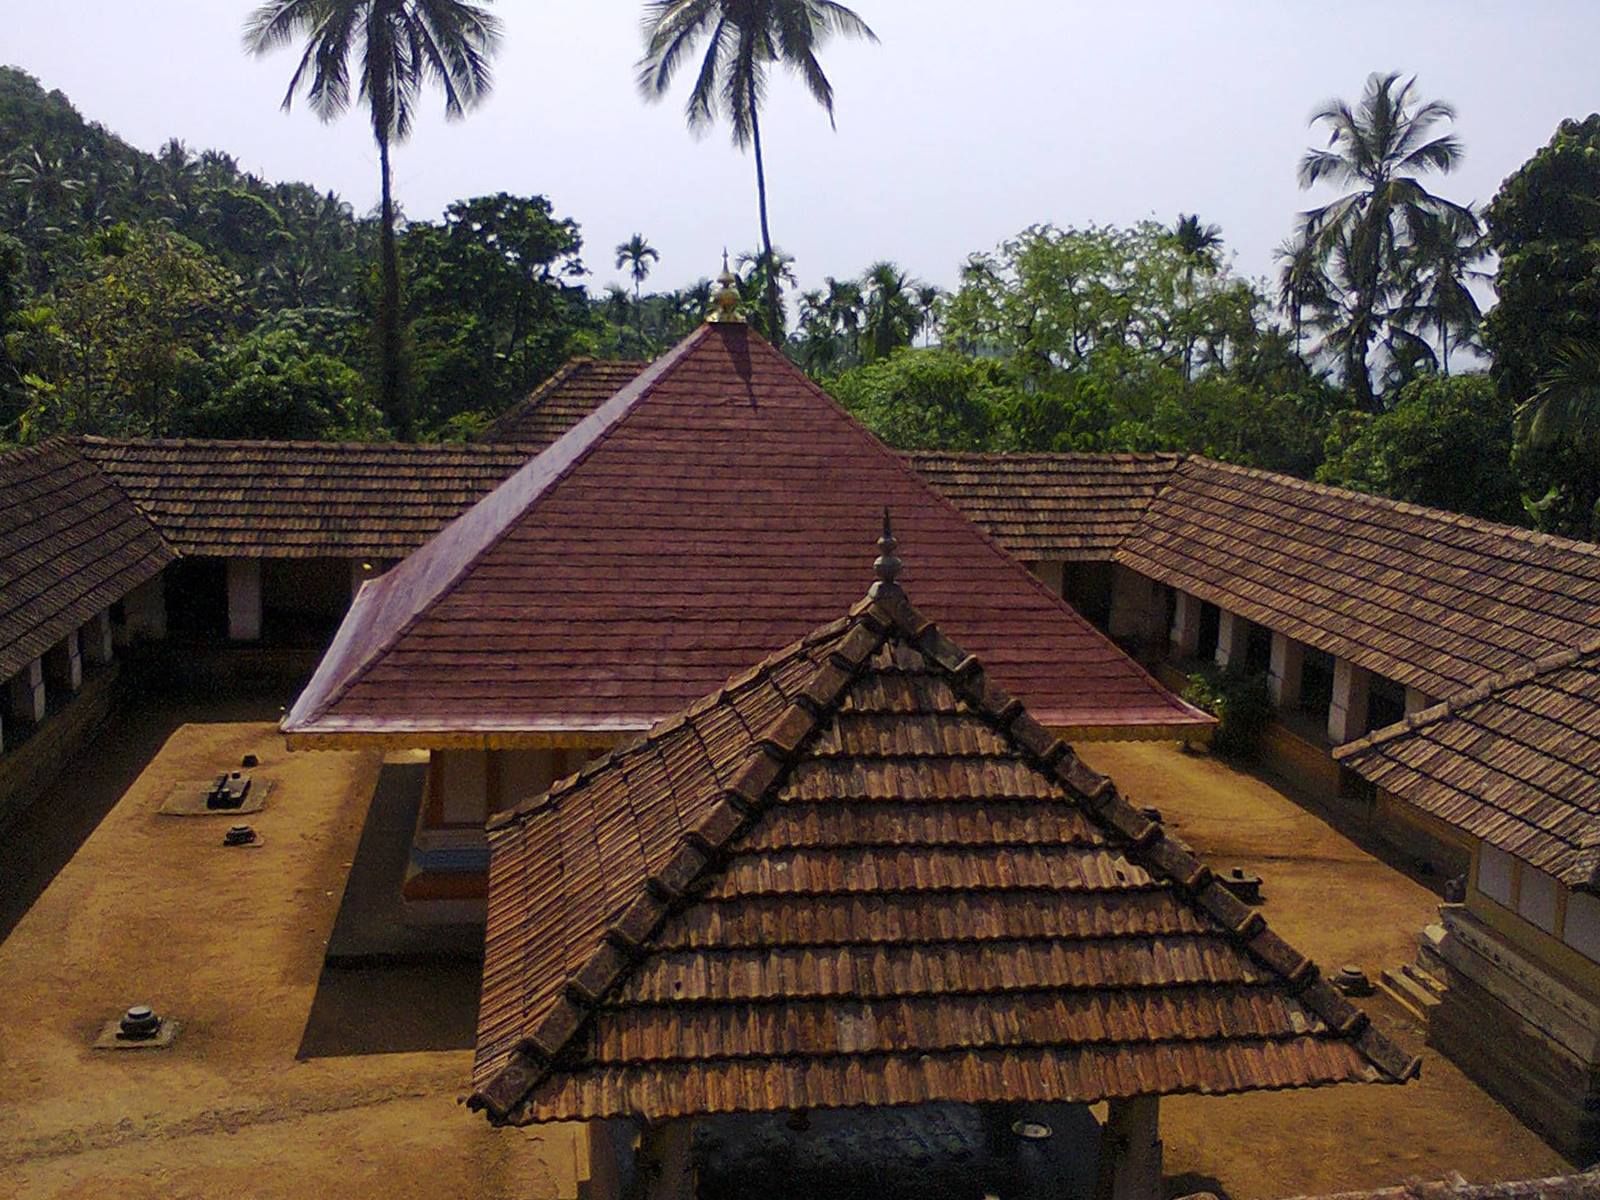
<point x="1549" y="951"/>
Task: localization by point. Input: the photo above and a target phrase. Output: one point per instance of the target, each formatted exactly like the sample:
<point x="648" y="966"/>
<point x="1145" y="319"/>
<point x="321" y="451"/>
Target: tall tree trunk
<point x="774" y="319"/>
<point x="391" y="374"/>
<point x="1444" y="347"/>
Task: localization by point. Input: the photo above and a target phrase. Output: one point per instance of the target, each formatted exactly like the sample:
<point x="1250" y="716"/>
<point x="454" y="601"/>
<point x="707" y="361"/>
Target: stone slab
<point x="189" y="800"/>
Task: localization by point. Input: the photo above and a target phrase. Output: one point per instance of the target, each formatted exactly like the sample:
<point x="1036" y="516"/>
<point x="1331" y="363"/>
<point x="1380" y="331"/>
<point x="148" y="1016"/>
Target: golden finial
<point x="887" y="568"/>
<point x="725" y="304"/>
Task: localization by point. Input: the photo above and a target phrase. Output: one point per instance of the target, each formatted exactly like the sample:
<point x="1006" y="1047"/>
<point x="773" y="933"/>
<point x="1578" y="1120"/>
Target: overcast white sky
<point x="968" y="123"/>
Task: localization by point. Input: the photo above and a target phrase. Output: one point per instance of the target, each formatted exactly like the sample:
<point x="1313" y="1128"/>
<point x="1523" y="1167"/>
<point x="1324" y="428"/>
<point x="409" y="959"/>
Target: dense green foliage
<point x="1242" y="705"/>
<point x="1444" y="442"/>
<point x="177" y="294"/>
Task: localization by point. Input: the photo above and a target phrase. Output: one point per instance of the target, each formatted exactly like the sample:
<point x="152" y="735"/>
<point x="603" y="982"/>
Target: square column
<point x="1185" y="635"/>
<point x="1288" y="668"/>
<point x="1233" y="639"/>
<point x="25" y="693"/>
<point x="1132" y="599"/>
<point x="1347" y="716"/>
<point x="1416" y="701"/>
<point x="146" y="608"/>
<point x="63" y="663"/>
<point x="1130" y="1149"/>
<point x="244" y="599"/>
<point x="95" y="638"/>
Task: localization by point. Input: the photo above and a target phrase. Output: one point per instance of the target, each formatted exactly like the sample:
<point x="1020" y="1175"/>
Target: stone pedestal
<point x="1185" y="635"/>
<point x="244" y="599"/>
<point x="1347" y="715"/>
<point x="1287" y="671"/>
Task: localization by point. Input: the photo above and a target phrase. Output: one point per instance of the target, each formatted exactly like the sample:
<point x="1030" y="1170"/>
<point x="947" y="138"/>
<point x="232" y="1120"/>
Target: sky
<point x="965" y="125"/>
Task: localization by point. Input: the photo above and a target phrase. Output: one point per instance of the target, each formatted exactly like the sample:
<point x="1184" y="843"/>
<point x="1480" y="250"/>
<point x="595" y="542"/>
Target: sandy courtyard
<point x="230" y="943"/>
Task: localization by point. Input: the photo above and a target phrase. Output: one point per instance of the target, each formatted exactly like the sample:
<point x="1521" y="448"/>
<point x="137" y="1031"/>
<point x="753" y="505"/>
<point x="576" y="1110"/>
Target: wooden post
<point x="244" y="599"/>
<point x="663" y="1169"/>
<point x="1130" y="1150"/>
<point x="1132" y="598"/>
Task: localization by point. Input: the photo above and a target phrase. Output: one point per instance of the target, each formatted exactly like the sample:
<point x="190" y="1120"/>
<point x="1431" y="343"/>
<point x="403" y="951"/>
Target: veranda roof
<point x="862" y="874"/>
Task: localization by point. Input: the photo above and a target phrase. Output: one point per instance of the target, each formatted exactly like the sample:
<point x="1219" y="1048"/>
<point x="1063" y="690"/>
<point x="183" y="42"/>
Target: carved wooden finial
<point x="887" y="568"/>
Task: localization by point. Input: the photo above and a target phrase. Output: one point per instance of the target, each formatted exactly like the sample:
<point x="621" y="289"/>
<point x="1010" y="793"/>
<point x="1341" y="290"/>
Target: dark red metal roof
<point x="716" y="508"/>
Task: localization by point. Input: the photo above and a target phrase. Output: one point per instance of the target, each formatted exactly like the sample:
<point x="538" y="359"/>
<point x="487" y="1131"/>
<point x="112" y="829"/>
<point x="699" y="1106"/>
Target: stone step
<point x="1410" y="995"/>
<point x="1425" y="979"/>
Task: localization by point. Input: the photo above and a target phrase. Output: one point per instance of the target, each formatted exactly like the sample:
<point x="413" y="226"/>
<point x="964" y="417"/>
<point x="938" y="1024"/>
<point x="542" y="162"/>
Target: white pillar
<point x="1185" y="637"/>
<point x="1288" y="668"/>
<point x="63" y="663"/>
<point x="1132" y="1140"/>
<point x="1416" y="701"/>
<point x="1132" y="598"/>
<point x="1233" y="639"/>
<point x="146" y="608"/>
<point x="96" y="639"/>
<point x="1347" y="715"/>
<point x="244" y="599"/>
<point x="25" y="693"/>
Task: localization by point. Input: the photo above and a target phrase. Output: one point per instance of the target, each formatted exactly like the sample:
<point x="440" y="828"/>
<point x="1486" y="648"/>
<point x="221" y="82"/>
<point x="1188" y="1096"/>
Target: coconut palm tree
<point x="1443" y="266"/>
<point x="637" y="255"/>
<point x="891" y="312"/>
<point x="1377" y="149"/>
<point x="930" y="302"/>
<point x="399" y="45"/>
<point x="743" y="38"/>
<point x="1303" y="285"/>
<point x="1199" y="243"/>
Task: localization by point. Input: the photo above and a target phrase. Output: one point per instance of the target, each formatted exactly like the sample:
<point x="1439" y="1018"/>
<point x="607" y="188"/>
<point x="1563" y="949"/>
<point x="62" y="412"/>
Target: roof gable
<point x="715" y="508"/>
<point x="862" y="874"/>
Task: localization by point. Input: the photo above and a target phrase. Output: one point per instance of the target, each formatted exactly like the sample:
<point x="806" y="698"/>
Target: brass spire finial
<point x="887" y="568"/>
<point x="725" y="304"/>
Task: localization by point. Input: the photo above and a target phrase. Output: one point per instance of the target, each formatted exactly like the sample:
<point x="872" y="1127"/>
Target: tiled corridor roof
<point x="716" y="508"/>
<point x="301" y="499"/>
<point x="1426" y="598"/>
<point x="567" y="397"/>
<point x="1066" y="507"/>
<point x="71" y="545"/>
<point x="1515" y="762"/>
<point x="861" y="874"/>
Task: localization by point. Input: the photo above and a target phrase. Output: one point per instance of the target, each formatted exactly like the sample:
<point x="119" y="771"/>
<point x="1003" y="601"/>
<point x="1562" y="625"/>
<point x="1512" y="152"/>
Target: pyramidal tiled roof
<point x="862" y="874"/>
<point x="716" y="508"/>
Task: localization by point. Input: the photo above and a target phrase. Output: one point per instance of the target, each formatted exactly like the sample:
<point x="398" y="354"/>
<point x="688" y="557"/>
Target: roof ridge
<point x="1556" y="660"/>
<point x="576" y="445"/>
<point x="485" y="449"/>
<point x="1461" y="520"/>
<point x="749" y="794"/>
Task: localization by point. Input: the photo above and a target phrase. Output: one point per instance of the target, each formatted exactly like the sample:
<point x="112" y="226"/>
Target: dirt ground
<point x="230" y="943"/>
<point x="1337" y="903"/>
